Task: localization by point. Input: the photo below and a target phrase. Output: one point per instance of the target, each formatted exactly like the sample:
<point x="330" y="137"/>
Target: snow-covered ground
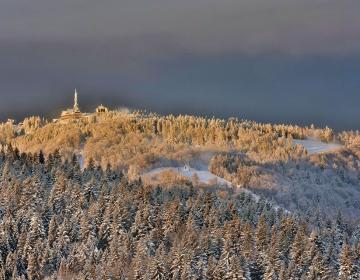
<point x="81" y="160"/>
<point x="80" y="155"/>
<point x="204" y="176"/>
<point x="315" y="146"/>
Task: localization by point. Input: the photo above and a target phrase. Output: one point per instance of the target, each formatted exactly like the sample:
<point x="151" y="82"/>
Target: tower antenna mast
<point x="76" y="105"/>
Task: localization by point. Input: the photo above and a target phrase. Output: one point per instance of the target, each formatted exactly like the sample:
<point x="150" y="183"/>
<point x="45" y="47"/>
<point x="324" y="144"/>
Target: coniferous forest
<point x="77" y="201"/>
<point x="61" y="222"/>
<point x="179" y="140"/>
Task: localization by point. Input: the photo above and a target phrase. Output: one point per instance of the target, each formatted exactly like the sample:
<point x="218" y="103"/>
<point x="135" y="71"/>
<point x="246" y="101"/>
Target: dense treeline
<point x="137" y="142"/>
<point x="58" y="221"/>
<point x="316" y="186"/>
<point x="125" y="139"/>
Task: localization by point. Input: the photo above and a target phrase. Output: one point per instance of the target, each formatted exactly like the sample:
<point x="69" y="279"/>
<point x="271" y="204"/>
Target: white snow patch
<point x="254" y="196"/>
<point x="81" y="160"/>
<point x="206" y="177"/>
<point x="80" y="155"/>
<point x="315" y="146"/>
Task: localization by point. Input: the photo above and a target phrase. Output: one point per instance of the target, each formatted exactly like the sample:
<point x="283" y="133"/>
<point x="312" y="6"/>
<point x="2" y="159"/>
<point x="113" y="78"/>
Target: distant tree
<point x="347" y="269"/>
<point x="34" y="265"/>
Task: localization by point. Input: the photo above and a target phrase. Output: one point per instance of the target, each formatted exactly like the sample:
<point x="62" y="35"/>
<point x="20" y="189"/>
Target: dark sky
<point x="287" y="61"/>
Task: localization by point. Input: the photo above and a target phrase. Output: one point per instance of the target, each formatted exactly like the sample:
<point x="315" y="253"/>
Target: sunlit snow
<point x="315" y="146"/>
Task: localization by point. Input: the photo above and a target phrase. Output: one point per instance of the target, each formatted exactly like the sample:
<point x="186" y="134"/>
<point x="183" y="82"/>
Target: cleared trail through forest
<point x="205" y="177"/>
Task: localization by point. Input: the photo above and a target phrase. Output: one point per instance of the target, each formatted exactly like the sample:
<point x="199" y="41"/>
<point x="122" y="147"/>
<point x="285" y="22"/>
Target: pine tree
<point x="177" y="265"/>
<point x="41" y="158"/>
<point x="235" y="271"/>
<point x="261" y="243"/>
<point x="318" y="269"/>
<point x="34" y="268"/>
<point x="247" y="241"/>
<point x="10" y="264"/>
<point x="158" y="270"/>
<point x="261" y="235"/>
<point x="35" y="235"/>
<point x="270" y="273"/>
<point x="104" y="232"/>
<point x="273" y="263"/>
<point x="356" y="264"/>
<point x="346" y="271"/>
<point x="297" y="258"/>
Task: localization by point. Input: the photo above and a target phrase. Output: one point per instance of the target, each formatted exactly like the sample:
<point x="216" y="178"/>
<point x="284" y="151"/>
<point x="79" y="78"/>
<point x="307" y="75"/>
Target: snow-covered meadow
<point x="315" y="146"/>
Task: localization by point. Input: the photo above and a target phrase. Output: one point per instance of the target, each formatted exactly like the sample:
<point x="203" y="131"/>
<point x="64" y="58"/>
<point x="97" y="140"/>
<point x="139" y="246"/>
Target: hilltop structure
<point x="75" y="113"/>
<point x="72" y="113"/>
<point x="76" y="105"/>
<point x="101" y="109"/>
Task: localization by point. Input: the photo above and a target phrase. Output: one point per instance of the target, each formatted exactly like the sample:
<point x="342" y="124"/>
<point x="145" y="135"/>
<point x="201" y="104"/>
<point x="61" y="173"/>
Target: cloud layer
<point x="201" y="26"/>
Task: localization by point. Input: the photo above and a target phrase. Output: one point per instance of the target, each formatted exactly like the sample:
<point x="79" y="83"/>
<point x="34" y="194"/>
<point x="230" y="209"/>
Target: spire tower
<point x="76" y="105"/>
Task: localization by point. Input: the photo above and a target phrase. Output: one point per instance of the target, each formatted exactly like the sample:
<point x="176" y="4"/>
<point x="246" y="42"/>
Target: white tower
<point x="76" y="105"/>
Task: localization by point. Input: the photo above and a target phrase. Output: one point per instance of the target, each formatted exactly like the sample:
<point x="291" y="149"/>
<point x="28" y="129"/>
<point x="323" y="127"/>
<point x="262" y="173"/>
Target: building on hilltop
<point x="10" y="122"/>
<point x="101" y="109"/>
<point x="73" y="114"/>
<point x="75" y="109"/>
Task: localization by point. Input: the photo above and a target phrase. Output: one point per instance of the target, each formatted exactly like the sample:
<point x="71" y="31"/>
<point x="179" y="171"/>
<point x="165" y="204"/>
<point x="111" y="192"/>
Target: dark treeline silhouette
<point x="58" y="221"/>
